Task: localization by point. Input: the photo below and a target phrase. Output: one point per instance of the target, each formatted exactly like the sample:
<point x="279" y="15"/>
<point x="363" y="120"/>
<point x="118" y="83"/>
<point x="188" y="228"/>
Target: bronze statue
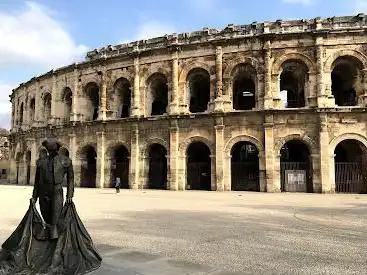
<point x="58" y="243"/>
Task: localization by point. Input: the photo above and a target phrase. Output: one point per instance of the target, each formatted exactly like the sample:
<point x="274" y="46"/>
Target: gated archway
<point x="157" y="175"/>
<point x="198" y="167"/>
<point x="245" y="167"/>
<point x="120" y="166"/>
<point x="88" y="171"/>
<point x="350" y="167"/>
<point x="295" y="167"/>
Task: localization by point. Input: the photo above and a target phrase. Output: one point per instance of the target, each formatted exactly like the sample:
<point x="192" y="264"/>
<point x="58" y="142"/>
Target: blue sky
<point x="36" y="36"/>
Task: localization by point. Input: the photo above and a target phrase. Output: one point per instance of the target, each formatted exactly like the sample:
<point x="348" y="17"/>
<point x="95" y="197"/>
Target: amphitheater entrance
<point x="28" y="160"/>
<point x="350" y="167"/>
<point x="295" y="167"/>
<point x="120" y="166"/>
<point x="157" y="175"/>
<point x="245" y="167"/>
<point x="92" y="91"/>
<point x="292" y="83"/>
<point x="198" y="167"/>
<point x="157" y="97"/>
<point x="88" y="171"/>
<point x="345" y="79"/>
<point x="244" y="87"/>
<point x="121" y="98"/>
<point x="198" y="81"/>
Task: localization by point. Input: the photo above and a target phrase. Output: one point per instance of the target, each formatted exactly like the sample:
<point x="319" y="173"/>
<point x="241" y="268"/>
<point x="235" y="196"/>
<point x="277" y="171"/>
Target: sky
<point x="37" y="36"/>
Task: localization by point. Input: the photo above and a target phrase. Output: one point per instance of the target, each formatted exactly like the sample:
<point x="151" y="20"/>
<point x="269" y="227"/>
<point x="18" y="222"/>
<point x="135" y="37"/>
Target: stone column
<point x="218" y="101"/>
<point x="13" y="171"/>
<point x="272" y="177"/>
<point x="75" y="97"/>
<point x="107" y="172"/>
<point x="213" y="172"/>
<point x="268" y="95"/>
<point x="219" y="154"/>
<point x="173" y="156"/>
<point x="100" y="178"/>
<point x="173" y="109"/>
<point x="74" y="158"/>
<point x="135" y="106"/>
<point x="323" y="93"/>
<point x="54" y="96"/>
<point x="134" y="157"/>
<point x="327" y="182"/>
<point x="103" y="99"/>
<point x="34" y="157"/>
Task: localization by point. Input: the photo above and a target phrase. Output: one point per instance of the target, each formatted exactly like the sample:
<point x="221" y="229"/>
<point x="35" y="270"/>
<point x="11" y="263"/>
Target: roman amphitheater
<point x="269" y="107"/>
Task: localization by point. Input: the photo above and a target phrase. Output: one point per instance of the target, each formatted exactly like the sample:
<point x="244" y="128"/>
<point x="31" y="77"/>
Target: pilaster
<point x="173" y="156"/>
<point x="53" y="100"/>
<point x="74" y="158"/>
<point x="326" y="163"/>
<point x="134" y="157"/>
<point x="135" y="106"/>
<point x="268" y="96"/>
<point x="219" y="154"/>
<point x="363" y="100"/>
<point x="34" y="157"/>
<point x="103" y="100"/>
<point x="101" y="152"/>
<point x="173" y="107"/>
<point x="271" y="157"/>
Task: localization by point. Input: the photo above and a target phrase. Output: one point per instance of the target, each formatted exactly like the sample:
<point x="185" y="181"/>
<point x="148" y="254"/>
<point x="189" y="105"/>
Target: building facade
<point x="4" y="156"/>
<point x="273" y="106"/>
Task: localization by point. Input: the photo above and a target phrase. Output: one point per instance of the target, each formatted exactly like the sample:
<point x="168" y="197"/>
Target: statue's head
<point x="51" y="144"/>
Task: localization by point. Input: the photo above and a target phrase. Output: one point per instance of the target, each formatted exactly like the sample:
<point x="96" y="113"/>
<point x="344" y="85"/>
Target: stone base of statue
<point x="31" y="249"/>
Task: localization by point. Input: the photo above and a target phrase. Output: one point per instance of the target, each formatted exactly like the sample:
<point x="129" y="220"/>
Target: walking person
<point x="117" y="184"/>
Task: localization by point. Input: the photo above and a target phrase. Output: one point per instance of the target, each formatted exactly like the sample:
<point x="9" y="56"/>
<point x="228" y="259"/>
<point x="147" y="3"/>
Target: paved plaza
<point x="164" y="232"/>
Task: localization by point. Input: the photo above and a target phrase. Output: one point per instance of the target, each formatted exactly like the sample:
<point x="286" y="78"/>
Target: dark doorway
<point x="88" y="171"/>
<point x="293" y="79"/>
<point x="28" y="159"/>
<point x="198" y="167"/>
<point x="92" y="91"/>
<point x="198" y="81"/>
<point x="32" y="110"/>
<point x="244" y="88"/>
<point x="344" y="81"/>
<point x="120" y="166"/>
<point x="158" y="97"/>
<point x="122" y="97"/>
<point x="245" y="167"/>
<point x="350" y="167"/>
<point x="295" y="167"/>
<point x="68" y="95"/>
<point x="157" y="175"/>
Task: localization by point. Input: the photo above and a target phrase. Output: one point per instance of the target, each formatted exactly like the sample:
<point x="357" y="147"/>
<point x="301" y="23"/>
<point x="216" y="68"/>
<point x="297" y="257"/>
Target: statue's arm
<point x="36" y="182"/>
<point x="70" y="180"/>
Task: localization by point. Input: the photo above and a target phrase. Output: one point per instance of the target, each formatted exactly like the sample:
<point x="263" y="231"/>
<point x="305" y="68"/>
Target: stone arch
<point x="90" y="79"/>
<point x="277" y="65"/>
<point x="335" y="141"/>
<point x="309" y="142"/>
<point x="186" y="68"/>
<point x="353" y="53"/>
<point x="154" y="140"/>
<point x="144" y="78"/>
<point x="228" y="147"/>
<point x="238" y="61"/>
<point x="185" y="144"/>
<point x="111" y="147"/>
<point x="116" y="76"/>
<point x="81" y="147"/>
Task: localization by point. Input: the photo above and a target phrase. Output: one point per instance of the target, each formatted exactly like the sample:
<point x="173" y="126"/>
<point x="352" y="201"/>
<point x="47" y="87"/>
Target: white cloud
<point x="34" y="37"/>
<point x="5" y="105"/>
<point x="302" y="2"/>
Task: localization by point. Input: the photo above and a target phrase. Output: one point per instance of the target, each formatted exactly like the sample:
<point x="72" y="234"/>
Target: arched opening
<point x="120" y="166"/>
<point x="296" y="167"/>
<point x="121" y="98"/>
<point x="157" y="96"/>
<point x="198" y="167"/>
<point x="88" y="171"/>
<point x="28" y="160"/>
<point x="244" y="88"/>
<point x="67" y="99"/>
<point x="350" y="167"/>
<point x="245" y="167"/>
<point x="18" y="159"/>
<point x="92" y="92"/>
<point x="47" y="106"/>
<point x="346" y="80"/>
<point x="157" y="175"/>
<point x="21" y="111"/>
<point x="32" y="107"/>
<point x="198" y="85"/>
<point x="293" y="79"/>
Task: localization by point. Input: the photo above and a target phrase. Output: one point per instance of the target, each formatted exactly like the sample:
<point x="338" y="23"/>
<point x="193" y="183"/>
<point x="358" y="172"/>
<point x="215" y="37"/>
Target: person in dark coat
<point x="50" y="173"/>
